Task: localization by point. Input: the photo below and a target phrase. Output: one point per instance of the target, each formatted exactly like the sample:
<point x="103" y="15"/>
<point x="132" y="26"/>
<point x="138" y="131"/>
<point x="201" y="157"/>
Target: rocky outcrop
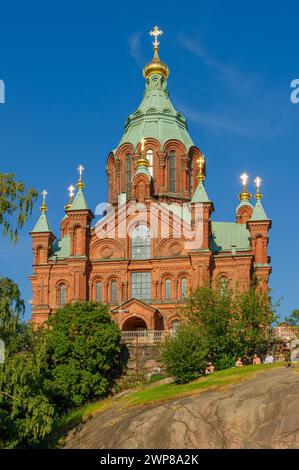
<point x="262" y="412"/>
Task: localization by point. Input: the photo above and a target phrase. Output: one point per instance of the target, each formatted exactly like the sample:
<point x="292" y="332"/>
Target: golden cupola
<point x="156" y="66"/>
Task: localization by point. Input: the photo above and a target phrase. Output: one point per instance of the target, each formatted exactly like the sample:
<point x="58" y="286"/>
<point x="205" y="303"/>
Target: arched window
<point x="141" y="242"/>
<point x="113" y="292"/>
<point x="183" y="288"/>
<point x="150" y="157"/>
<point x="174" y="326"/>
<point x="99" y="292"/>
<point x="62" y="294"/>
<point x="172" y="172"/>
<point x="128" y="173"/>
<point x="223" y="285"/>
<point x="168" y="289"/>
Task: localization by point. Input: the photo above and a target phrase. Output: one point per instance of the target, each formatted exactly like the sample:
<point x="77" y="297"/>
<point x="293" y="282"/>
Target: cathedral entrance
<point x="134" y="324"/>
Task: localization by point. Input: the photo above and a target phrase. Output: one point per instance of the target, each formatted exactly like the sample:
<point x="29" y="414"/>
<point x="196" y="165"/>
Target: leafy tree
<point x="293" y="319"/>
<point x="185" y="354"/>
<point x="230" y="323"/>
<point x="54" y="369"/>
<point x="14" y="202"/>
<point x="253" y="316"/>
<point x="25" y="411"/>
<point x="83" y="351"/>
<point x="211" y="310"/>
<point x="12" y="308"/>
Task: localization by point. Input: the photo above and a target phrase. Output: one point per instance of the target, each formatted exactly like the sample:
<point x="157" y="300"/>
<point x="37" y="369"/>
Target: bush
<point x="83" y="354"/>
<point x="55" y="369"/>
<point x="225" y="361"/>
<point x="184" y="354"/>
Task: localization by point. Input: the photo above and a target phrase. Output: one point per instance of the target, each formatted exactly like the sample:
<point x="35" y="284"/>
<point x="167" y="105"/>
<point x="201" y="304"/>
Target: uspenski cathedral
<point x="157" y="238"/>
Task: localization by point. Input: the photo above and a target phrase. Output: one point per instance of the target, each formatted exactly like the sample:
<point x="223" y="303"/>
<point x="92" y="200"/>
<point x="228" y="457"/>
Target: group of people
<point x="269" y="359"/>
<point x="256" y="360"/>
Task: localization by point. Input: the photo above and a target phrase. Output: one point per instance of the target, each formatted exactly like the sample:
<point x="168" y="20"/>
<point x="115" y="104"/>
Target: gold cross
<point x="44" y="194"/>
<point x="80" y="169"/>
<point x="244" y="179"/>
<point x="156" y="33"/>
<point x="71" y="190"/>
<point x="258" y="182"/>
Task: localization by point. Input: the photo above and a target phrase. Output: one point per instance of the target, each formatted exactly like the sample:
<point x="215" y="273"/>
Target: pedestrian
<point x="287" y="355"/>
<point x="256" y="360"/>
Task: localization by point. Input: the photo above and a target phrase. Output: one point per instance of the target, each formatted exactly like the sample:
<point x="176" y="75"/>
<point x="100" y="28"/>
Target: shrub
<point x="83" y="354"/>
<point x="184" y="354"/>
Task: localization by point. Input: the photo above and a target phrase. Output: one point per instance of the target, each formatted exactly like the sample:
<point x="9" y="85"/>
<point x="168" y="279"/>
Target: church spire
<point x="244" y="209"/>
<point x="200" y="194"/>
<point x="258" y="211"/>
<point x="156" y="66"/>
<point x="71" y="190"/>
<point x="156" y="117"/>
<point x="79" y="202"/>
<point x="42" y="225"/>
<point x="244" y="194"/>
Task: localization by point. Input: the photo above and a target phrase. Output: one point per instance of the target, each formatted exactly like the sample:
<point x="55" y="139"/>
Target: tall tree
<point x="12" y="308"/>
<point x="15" y="205"/>
<point x="83" y="353"/>
<point x="293" y="319"/>
<point x="231" y="323"/>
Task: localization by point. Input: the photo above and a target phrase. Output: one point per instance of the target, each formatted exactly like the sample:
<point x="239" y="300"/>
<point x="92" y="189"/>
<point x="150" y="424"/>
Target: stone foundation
<point x="142" y="362"/>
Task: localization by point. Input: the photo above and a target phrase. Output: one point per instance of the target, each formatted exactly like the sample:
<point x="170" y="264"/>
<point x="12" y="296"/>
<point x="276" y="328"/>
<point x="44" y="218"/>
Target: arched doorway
<point x="134" y="324"/>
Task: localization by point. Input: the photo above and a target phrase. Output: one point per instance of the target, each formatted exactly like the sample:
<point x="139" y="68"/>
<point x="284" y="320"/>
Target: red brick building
<point x="157" y="238"/>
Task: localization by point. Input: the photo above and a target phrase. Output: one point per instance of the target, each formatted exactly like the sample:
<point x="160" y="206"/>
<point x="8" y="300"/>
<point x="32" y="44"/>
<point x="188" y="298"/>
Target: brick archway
<point x="134" y="323"/>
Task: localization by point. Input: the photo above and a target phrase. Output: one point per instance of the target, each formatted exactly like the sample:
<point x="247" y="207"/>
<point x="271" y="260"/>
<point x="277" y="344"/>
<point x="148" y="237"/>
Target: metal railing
<point x="145" y="336"/>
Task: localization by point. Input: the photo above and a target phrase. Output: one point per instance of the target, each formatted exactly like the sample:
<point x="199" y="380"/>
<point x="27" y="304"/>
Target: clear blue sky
<point x="72" y="72"/>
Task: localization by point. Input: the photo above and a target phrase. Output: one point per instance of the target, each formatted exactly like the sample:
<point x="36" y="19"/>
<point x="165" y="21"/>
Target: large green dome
<point x="156" y="117"/>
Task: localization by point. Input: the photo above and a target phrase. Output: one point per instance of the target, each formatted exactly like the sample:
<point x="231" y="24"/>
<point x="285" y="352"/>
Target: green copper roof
<point x="258" y="212"/>
<point x="200" y="194"/>
<point x="42" y="225"/>
<point x="156" y="117"/>
<point x="226" y="235"/>
<point x="244" y="202"/>
<point x="79" y="202"/>
<point x="61" y="248"/>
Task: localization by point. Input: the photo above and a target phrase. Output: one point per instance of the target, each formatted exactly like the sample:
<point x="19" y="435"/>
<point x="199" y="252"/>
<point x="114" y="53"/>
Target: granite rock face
<point x="262" y="412"/>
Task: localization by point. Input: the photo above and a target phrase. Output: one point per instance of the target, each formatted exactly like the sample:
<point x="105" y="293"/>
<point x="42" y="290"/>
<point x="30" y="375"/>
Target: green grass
<point x="170" y="391"/>
<point x="146" y="394"/>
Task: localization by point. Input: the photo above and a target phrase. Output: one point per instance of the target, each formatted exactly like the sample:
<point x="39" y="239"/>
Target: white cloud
<point x="232" y="77"/>
<point x="134" y="42"/>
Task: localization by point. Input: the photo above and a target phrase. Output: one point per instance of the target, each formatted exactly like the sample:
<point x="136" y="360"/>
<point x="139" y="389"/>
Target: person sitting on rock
<point x="210" y="369"/>
<point x="269" y="359"/>
<point x="256" y="360"/>
<point x="239" y="362"/>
